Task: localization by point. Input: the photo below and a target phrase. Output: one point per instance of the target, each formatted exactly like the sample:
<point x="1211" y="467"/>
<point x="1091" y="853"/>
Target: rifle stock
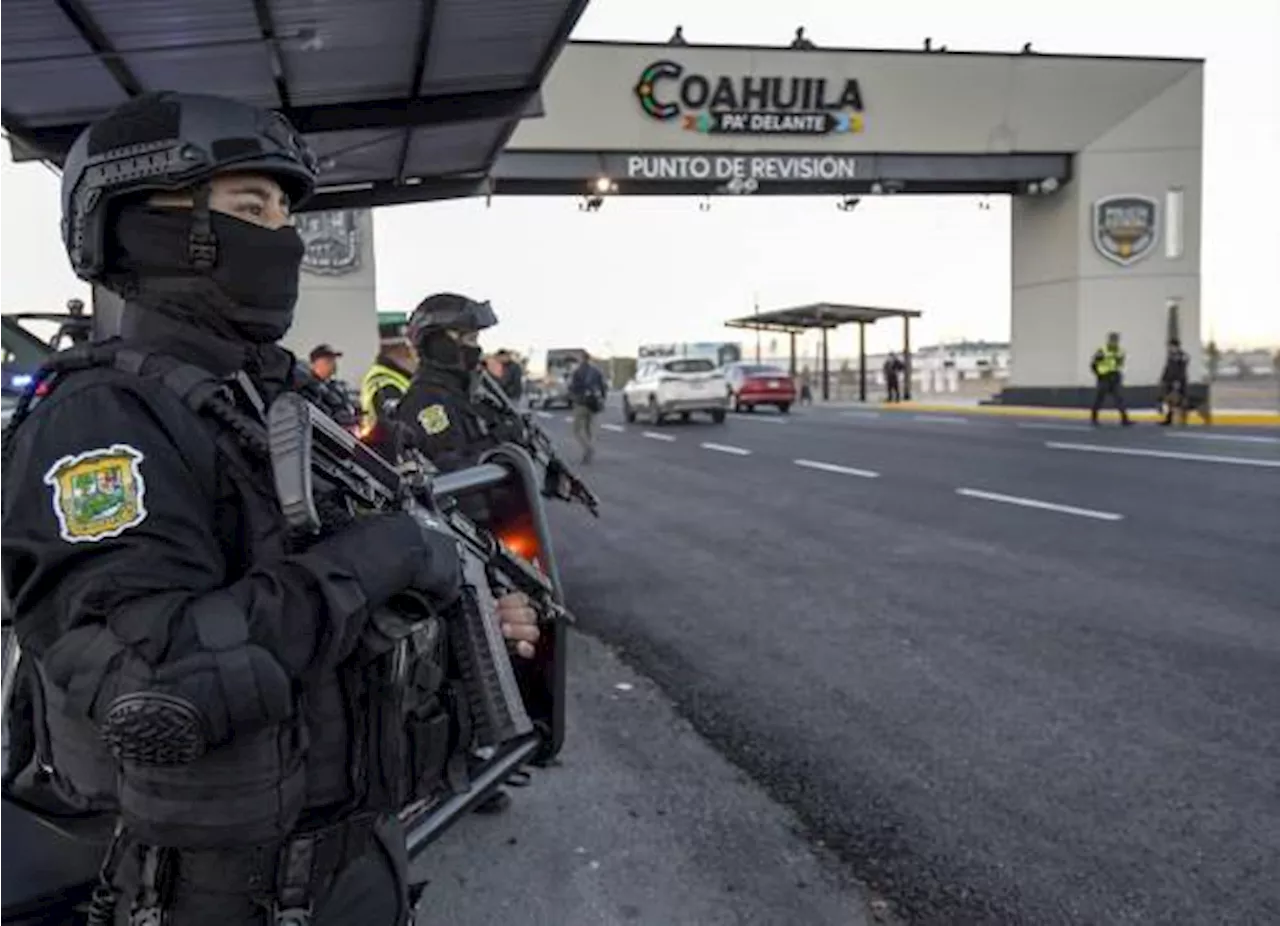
<point x="307" y="446"/>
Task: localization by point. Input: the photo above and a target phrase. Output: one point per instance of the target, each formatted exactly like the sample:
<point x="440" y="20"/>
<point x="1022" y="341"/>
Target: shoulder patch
<point x="434" y="419"/>
<point x="98" y="494"/>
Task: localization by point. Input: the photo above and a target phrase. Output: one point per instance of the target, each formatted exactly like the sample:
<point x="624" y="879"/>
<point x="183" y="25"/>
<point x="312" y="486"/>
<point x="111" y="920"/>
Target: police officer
<point x="1108" y="370"/>
<point x="439" y="417"/>
<point x="326" y="390"/>
<point x="165" y="611"/>
<point x="381" y="390"/>
<point x="437" y="410"/>
<point x="1174" y="384"/>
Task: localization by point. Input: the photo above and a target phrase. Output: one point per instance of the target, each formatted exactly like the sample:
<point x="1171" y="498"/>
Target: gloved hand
<point x="439" y="572"/>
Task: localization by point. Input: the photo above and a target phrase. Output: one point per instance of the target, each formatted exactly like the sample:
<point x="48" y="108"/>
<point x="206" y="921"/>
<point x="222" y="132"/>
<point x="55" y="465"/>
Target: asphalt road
<point x="1011" y="671"/>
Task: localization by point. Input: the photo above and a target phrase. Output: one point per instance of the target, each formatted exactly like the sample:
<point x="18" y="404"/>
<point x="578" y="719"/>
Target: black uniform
<point x="442" y="420"/>
<point x="1174" y="382"/>
<point x="238" y="673"/>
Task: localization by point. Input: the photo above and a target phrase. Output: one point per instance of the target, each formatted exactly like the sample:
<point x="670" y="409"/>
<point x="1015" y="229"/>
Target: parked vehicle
<point x="680" y="386"/>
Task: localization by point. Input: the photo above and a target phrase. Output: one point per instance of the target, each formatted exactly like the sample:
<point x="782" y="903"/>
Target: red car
<point x="752" y="384"/>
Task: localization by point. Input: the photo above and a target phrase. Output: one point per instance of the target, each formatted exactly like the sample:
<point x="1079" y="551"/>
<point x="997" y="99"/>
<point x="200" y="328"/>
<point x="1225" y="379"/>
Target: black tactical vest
<point x="374" y="735"/>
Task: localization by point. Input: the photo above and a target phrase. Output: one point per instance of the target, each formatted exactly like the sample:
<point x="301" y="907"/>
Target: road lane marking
<point x="859" y="414"/>
<point x="654" y="435"/>
<point x="1245" y="438"/>
<point x="834" y="468"/>
<point x="568" y="419"/>
<point x="941" y="419"/>
<point x="1055" y="427"/>
<point x="760" y="418"/>
<point x="545" y="415"/>
<point x="614" y="427"/>
<point x="1036" y="503"/>
<point x="726" y="448"/>
<point x="1164" y="454"/>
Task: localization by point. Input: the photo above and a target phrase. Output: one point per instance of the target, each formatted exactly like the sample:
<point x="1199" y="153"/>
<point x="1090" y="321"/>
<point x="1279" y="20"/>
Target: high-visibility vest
<point x="1110" y="362"/>
<point x="378" y="378"/>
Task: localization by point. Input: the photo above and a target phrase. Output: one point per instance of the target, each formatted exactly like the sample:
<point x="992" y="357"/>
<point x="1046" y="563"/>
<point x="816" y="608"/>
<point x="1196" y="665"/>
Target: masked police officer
<point x="438" y="416"/>
<point x="437" y="409"/>
<point x="165" y="611"/>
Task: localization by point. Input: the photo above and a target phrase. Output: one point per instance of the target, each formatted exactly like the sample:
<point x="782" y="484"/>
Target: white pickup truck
<point x="675" y="386"/>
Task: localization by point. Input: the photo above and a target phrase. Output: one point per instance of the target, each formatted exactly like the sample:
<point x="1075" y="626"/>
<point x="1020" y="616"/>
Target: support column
<point x="793" y="355"/>
<point x="862" y="361"/>
<point x="826" y="374"/>
<point x="1108" y="252"/>
<point x="906" y="358"/>
<point x="337" y="298"/>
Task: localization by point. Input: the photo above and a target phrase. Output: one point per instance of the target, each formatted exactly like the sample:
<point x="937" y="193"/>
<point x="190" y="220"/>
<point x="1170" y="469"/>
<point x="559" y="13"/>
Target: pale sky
<point x="649" y="269"/>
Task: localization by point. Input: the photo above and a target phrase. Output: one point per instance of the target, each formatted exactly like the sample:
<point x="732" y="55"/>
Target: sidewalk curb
<point x="1258" y="419"/>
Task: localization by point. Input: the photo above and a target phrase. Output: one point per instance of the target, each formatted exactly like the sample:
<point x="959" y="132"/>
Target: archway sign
<point x="1101" y="155"/>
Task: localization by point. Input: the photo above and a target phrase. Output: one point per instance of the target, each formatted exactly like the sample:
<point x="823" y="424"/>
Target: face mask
<point x="258" y="269"/>
<point x="251" y="290"/>
<point x="443" y="351"/>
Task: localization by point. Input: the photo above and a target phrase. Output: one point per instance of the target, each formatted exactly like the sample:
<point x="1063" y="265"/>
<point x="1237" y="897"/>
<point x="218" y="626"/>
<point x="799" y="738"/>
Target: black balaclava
<point x="247" y="295"/>
<point x="440" y="349"/>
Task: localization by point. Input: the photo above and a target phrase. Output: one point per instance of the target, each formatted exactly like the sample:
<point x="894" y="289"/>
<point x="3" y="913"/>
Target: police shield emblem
<point x="332" y="241"/>
<point x="98" y="494"/>
<point x="1124" y="228"/>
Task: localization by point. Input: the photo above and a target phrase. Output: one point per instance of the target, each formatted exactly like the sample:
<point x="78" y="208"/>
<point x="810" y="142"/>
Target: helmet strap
<point x="202" y="244"/>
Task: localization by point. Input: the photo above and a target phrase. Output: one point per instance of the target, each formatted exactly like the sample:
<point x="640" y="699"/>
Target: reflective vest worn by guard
<point x="380" y="392"/>
<point x="1108" y="361"/>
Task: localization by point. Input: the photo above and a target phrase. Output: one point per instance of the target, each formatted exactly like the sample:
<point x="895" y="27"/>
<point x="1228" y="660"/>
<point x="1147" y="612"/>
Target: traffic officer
<point x="1108" y="370"/>
<point x="165" y="611"/>
<point x="381" y="390"/>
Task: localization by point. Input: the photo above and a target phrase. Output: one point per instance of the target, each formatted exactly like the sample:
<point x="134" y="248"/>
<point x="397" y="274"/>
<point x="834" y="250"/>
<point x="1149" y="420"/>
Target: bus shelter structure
<point x="826" y="317"/>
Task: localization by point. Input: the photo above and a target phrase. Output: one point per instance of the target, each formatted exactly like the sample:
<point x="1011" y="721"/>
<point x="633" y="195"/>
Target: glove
<point x="439" y="564"/>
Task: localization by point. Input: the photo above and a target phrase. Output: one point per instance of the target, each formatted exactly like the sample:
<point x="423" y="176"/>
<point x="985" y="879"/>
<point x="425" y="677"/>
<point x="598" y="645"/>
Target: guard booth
<point x="826" y="317"/>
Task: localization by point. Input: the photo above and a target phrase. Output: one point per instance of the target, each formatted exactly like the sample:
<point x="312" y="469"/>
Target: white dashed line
<point x="1055" y="427"/>
<point x="1242" y="438"/>
<point x="1165" y="454"/>
<point x="859" y="414"/>
<point x="568" y="419"/>
<point x="941" y="419"/>
<point x="654" y="435"/>
<point x="1044" y="506"/>
<point x="614" y="427"/>
<point x="760" y="418"/>
<point x="545" y="415"/>
<point x="725" y="448"/>
<point x="834" y="468"/>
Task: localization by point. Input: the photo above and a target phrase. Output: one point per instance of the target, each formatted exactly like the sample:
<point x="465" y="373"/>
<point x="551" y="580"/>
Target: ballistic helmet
<point x="448" y="312"/>
<point x="171" y="141"/>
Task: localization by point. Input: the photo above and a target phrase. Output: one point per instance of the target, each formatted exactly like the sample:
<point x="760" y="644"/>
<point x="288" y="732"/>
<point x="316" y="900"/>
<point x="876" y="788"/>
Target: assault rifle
<point x="307" y="446"/>
<point x="519" y="427"/>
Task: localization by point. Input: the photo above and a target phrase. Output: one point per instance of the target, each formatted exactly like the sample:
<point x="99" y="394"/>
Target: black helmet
<point x="171" y="141"/>
<point x="448" y="312"/>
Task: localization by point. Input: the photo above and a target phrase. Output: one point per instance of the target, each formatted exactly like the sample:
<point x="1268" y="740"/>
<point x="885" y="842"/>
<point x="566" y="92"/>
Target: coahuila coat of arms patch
<point x="98" y="494"/>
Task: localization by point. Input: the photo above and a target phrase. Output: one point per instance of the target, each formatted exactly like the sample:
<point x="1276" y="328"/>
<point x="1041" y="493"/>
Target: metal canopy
<point x="819" y="315"/>
<point x="403" y="100"/>
<point x="827" y="316"/>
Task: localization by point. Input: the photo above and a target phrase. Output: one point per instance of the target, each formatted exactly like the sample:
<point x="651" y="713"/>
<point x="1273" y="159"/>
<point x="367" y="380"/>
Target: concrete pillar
<point x="337" y="302"/>
<point x="1067" y="294"/>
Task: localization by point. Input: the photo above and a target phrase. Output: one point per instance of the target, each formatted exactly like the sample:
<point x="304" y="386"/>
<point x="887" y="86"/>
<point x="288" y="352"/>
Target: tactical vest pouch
<point x="84" y="770"/>
<point x="250" y="785"/>
<point x="249" y="791"/>
<point x="408" y="733"/>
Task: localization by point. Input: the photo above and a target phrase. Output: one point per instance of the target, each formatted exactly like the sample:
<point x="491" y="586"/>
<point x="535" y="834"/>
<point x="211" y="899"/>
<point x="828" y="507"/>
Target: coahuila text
<point x="727" y="167"/>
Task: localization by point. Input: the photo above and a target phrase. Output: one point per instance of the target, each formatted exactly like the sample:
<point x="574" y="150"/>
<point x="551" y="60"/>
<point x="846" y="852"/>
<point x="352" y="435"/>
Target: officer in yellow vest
<point x="381" y="390"/>
<point x="1108" y="370"/>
